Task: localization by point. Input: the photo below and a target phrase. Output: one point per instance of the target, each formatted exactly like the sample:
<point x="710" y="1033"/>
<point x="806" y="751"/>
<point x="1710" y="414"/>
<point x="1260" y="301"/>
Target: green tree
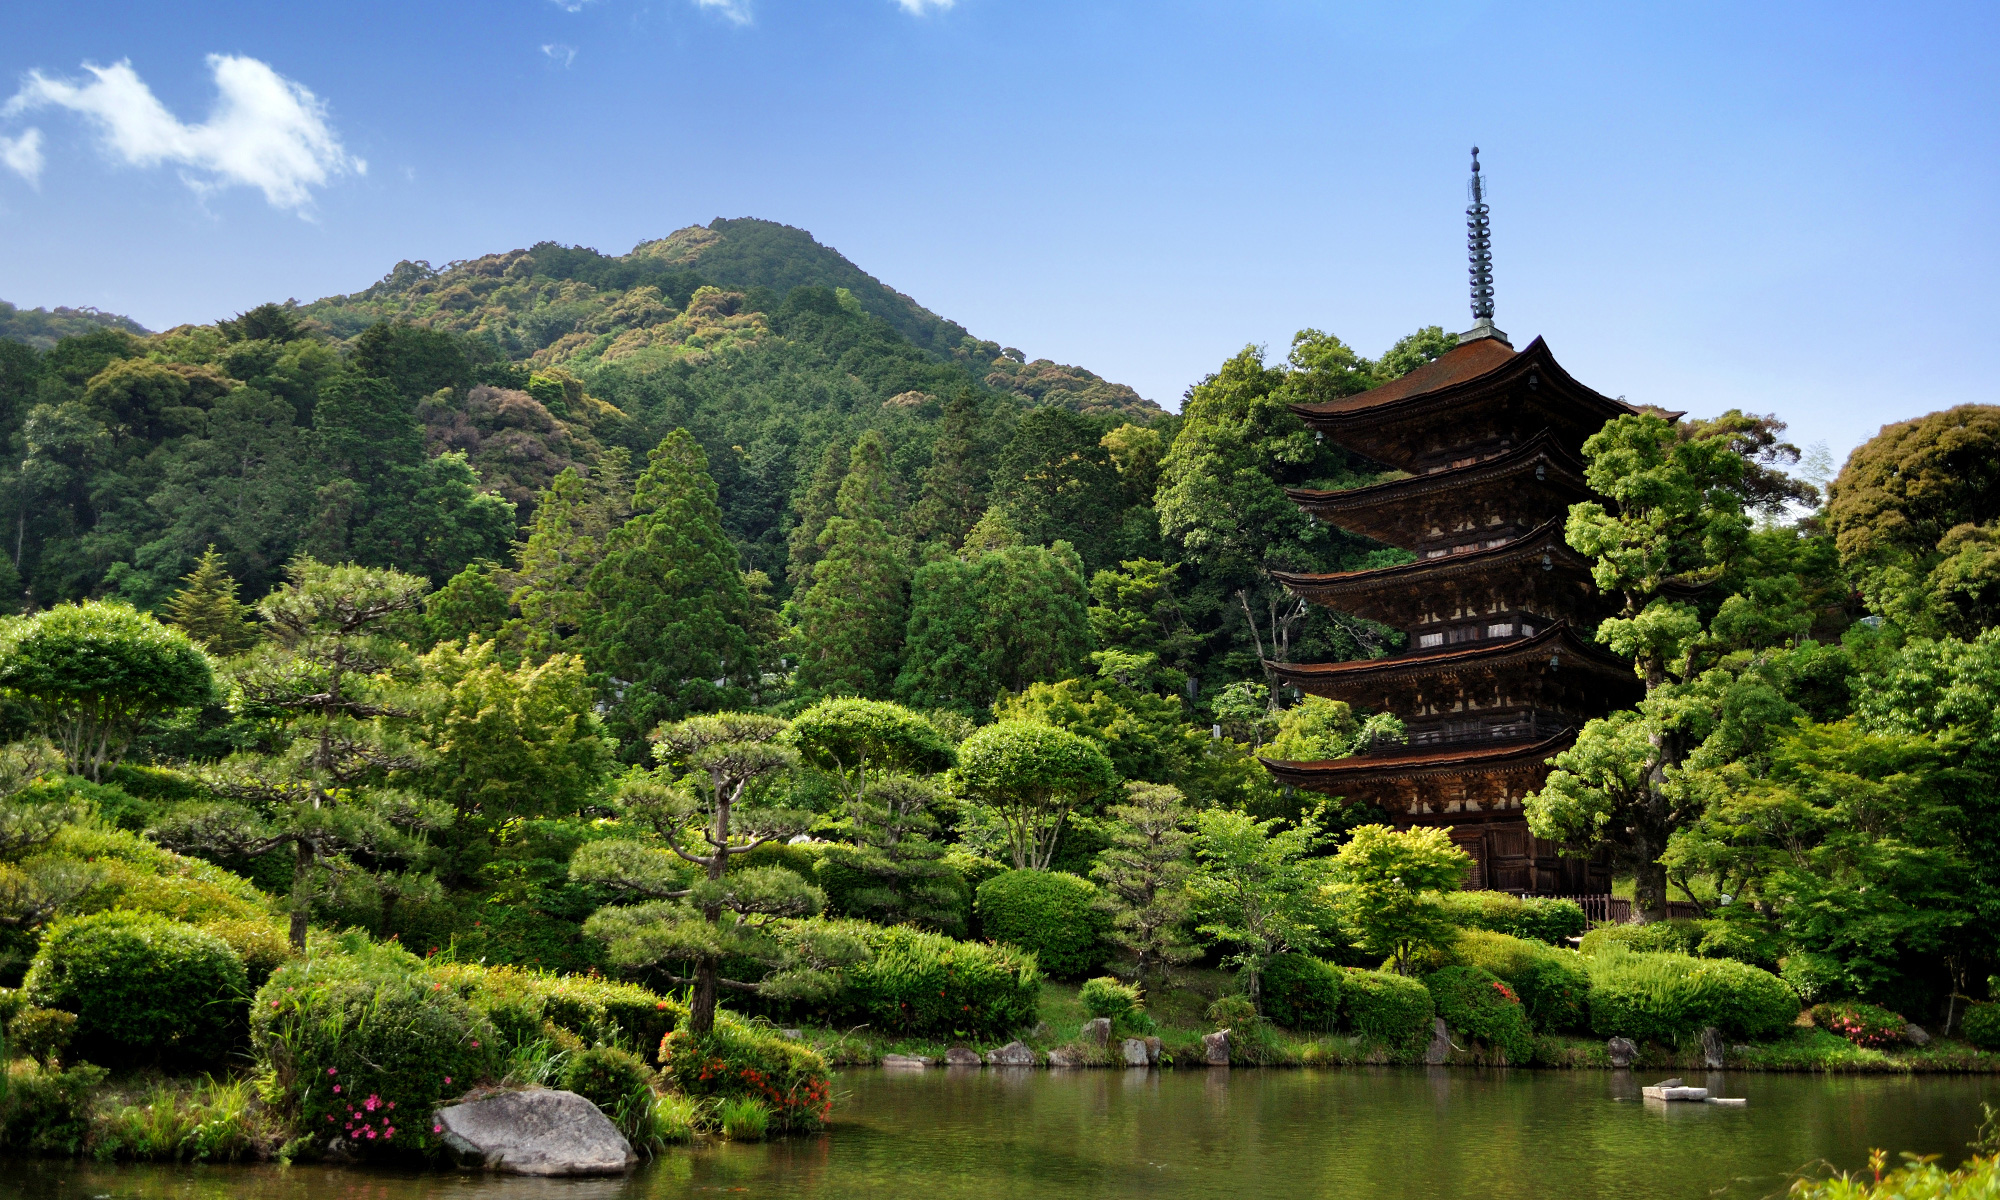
<point x="93" y="674"/>
<point x="703" y="812"/>
<point x="818" y="503"/>
<point x="574" y="518"/>
<point x="952" y="489"/>
<point x="1144" y="874"/>
<point x="1142" y="732"/>
<point x="1676" y="518"/>
<point x="1387" y="887"/>
<point x="850" y="622"/>
<point x="986" y="623"/>
<point x="1916" y="520"/>
<point x="511" y="742"/>
<point x="470" y="603"/>
<point x="666" y="614"/>
<point x="1056" y="481"/>
<point x="1031" y="777"/>
<point x="1134" y="608"/>
<point x="331" y="683"/>
<point x="1261" y="888"/>
<point x="206" y="607"/>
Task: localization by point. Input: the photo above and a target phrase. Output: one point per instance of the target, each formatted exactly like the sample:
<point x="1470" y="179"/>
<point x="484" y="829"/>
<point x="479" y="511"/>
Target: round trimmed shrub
<point x="1049" y="913"/>
<point x="1386" y="1008"/>
<point x="607" y="1077"/>
<point x="1666" y="997"/>
<point x="1107" y="996"/>
<point x="1553" y="984"/>
<point x="1981" y="1026"/>
<point x="143" y="988"/>
<point x="1301" y="992"/>
<point x="364" y="1044"/>
<point x="735" y="1061"/>
<point x="1862" y="1024"/>
<point x="1477" y="1003"/>
<point x="1680" y="936"/>
<point x="1537" y="918"/>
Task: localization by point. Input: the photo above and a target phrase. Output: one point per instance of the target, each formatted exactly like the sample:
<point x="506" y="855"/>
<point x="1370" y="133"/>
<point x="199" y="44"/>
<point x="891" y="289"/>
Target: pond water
<point x="1055" y="1135"/>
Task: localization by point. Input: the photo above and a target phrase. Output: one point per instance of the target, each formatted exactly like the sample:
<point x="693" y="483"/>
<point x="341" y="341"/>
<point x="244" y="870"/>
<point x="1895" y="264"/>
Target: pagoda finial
<point x="1479" y="252"/>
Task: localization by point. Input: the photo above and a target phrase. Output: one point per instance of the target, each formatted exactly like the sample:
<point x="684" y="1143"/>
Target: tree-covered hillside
<point x="42" y="328"/>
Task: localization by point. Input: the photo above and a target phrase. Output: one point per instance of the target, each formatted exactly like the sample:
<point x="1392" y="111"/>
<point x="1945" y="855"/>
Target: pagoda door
<point x="1473" y="842"/>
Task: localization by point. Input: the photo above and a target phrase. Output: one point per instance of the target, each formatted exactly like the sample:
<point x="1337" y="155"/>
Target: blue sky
<point x="1788" y="208"/>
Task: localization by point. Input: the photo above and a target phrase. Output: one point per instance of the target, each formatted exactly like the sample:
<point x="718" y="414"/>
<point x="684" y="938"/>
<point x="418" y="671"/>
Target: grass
<point x="744" y="1119"/>
<point x="180" y="1121"/>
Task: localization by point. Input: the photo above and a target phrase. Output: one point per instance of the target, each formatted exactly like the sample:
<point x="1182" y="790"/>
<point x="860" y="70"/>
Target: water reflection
<point x="1107" y="1135"/>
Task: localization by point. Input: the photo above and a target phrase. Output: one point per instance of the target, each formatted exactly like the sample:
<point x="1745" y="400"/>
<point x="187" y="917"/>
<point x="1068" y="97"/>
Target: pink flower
<point x="371" y="1134"/>
<point x="475" y="1043"/>
<point x="336" y="1089"/>
<point x="388" y="1131"/>
<point x="274" y="1004"/>
<point x="332" y="1071"/>
<point x="447" y="1079"/>
<point x="392" y="1106"/>
<point x="356" y="1135"/>
<point x="329" y="1117"/>
<point x="437" y="1129"/>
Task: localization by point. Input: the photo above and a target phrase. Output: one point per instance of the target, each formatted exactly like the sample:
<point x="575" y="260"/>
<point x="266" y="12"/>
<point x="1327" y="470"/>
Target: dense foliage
<point x="1051" y="915"/>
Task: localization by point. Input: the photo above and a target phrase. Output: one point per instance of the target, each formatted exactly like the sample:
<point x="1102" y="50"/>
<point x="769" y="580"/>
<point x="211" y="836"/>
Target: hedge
<point x="143" y="988"/>
<point x="1386" y="1008"/>
<point x="1301" y="992"/>
<point x="363" y="1043"/>
<point x="1862" y="1024"/>
<point x="1666" y="997"/>
<point x="1051" y="914"/>
<point x="926" y="984"/>
<point x="1537" y="918"/>
<point x="1678" y="936"/>
<point x="740" y="1060"/>
<point x="1553" y="984"/>
<point x="521" y="1003"/>
<point x="1477" y="1003"/>
<point x="1981" y="1026"/>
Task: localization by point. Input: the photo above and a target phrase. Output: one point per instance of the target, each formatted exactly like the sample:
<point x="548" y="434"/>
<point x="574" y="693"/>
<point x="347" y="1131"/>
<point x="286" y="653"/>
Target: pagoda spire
<point x="1479" y="253"/>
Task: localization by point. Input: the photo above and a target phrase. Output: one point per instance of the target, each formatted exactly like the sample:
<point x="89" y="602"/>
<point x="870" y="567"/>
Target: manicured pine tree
<point x="666" y="615"/>
<point x="850" y="623"/>
<point x="206" y="607"/>
<point x="1144" y="873"/>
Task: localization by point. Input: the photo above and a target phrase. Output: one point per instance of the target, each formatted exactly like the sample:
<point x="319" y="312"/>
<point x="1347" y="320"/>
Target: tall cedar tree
<point x="1144" y="873"/>
<point x="952" y="488"/>
<point x="986" y="623"/>
<point x="812" y="508"/>
<point x="1057" y="481"/>
<point x="850" y="623"/>
<point x="574" y="517"/>
<point x="666" y="615"/>
<point x="703" y="810"/>
<point x="206" y="607"/>
<point x="329" y="683"/>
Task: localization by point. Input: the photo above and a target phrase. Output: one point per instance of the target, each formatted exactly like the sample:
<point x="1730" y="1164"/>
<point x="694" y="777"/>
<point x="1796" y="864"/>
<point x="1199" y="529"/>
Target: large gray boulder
<point x="534" y="1132"/>
<point x="1097" y="1030"/>
<point x="961" y="1056"/>
<point x="1134" y="1050"/>
<point x="1067" y="1056"/>
<point x="1621" y="1051"/>
<point x="1711" y="1048"/>
<point x="1215" y="1048"/>
<point x="1916" y="1035"/>
<point x="1013" y="1054"/>
<point x="1438" y="1052"/>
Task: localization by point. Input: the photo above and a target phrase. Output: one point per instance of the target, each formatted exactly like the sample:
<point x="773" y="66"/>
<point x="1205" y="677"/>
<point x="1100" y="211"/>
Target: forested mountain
<point x="42" y="328"/>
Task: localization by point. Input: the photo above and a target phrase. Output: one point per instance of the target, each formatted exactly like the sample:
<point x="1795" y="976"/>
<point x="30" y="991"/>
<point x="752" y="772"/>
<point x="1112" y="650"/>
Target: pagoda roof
<point x="1416" y="762"/>
<point x="1385" y="511"/>
<point x="1382" y="593"/>
<point x="1559" y="642"/>
<point x="1465" y="375"/>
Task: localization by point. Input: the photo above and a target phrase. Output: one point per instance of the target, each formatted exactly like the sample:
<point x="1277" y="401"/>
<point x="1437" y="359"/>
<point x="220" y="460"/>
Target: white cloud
<point x="560" y="54"/>
<point x="571" y="5"/>
<point x="737" y="11"/>
<point x="265" y="131"/>
<point x="918" y="8"/>
<point x="23" y="155"/>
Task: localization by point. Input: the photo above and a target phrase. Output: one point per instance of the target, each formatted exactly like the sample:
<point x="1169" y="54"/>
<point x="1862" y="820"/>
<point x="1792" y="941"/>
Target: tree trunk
<point x="701" y="1014"/>
<point x="301" y="893"/>
<point x="1650" y="891"/>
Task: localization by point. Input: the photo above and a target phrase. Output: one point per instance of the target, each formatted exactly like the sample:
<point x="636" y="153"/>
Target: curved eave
<point x="1543" y="447"/>
<point x="1358" y="412"/>
<point x="1558" y="640"/>
<point x="1542" y="539"/>
<point x="1334" y="773"/>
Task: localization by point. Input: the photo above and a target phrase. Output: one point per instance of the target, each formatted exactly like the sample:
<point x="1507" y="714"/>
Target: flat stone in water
<point x="535" y="1132"/>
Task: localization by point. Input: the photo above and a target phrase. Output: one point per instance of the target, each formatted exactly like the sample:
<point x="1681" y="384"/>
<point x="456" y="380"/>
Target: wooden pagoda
<point x="1500" y="670"/>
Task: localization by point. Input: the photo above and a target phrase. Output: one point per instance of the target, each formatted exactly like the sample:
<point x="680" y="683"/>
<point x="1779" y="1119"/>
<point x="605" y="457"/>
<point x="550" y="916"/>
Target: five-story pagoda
<point x="1500" y="669"/>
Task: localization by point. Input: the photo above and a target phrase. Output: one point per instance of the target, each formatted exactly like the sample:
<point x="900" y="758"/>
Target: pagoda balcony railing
<point x="1530" y="727"/>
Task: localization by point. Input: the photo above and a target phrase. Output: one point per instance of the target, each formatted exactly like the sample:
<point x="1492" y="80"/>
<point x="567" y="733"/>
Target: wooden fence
<point x="1604" y="909"/>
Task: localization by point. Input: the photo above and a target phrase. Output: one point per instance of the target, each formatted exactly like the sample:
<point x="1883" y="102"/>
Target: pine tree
<point x="207" y="608"/>
<point x="666" y="615"/>
<point x="574" y="517"/>
<point x="951" y="488"/>
<point x="1144" y="874"/>
<point x="812" y="509"/>
<point x="850" y="623"/>
<point x="329" y="687"/>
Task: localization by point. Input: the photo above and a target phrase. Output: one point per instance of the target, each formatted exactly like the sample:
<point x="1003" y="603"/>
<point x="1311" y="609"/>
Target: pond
<point x="1043" y="1135"/>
